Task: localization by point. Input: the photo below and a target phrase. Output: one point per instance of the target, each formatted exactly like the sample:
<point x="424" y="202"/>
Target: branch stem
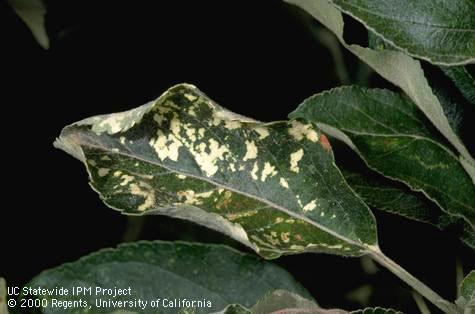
<point x="416" y="284"/>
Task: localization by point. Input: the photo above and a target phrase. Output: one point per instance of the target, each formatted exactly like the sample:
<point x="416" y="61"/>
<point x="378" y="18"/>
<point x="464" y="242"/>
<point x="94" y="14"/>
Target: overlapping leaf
<point x="168" y="270"/>
<point x="466" y="301"/>
<point x="441" y="32"/>
<point x="395" y="198"/>
<point x="394" y="139"/>
<point x="272" y="186"/>
<point x="32" y="13"/>
<point x="398" y="68"/>
<point x="277" y="301"/>
<point x="282" y="302"/>
<point x="376" y="310"/>
<point x="463" y="80"/>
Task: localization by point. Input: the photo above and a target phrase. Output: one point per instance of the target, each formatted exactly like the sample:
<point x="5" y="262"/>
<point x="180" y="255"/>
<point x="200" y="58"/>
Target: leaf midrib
<point x="413" y="136"/>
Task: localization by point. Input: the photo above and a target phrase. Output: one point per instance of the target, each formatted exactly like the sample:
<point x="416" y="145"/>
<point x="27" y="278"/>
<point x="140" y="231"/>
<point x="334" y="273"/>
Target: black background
<point x="256" y="58"/>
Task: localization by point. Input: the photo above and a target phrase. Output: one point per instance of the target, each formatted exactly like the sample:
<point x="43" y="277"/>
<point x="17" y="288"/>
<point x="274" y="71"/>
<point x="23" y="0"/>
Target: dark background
<point x="257" y="58"/>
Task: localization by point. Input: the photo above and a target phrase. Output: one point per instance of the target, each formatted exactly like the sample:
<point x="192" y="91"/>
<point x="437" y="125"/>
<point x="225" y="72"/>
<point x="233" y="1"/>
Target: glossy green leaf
<point x="398" y="68"/>
<point x="466" y="301"/>
<point x="395" y="198"/>
<point x="32" y="13"/>
<point x="467" y="287"/>
<point x="393" y="138"/>
<point x="272" y="186"/>
<point x="441" y="32"/>
<point x="282" y="302"/>
<point x="233" y="309"/>
<point x="167" y="270"/>
<point x="463" y="80"/>
<point x="277" y="301"/>
<point x="376" y="310"/>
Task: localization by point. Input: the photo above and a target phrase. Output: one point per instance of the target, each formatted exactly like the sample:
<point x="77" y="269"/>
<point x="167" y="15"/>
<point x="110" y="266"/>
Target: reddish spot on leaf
<point x="325" y="143"/>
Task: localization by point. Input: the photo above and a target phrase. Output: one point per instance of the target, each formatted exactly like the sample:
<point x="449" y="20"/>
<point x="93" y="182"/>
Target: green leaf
<point x="32" y="13"/>
<point x="376" y="310"/>
<point x="393" y="138"/>
<point x="234" y="309"/>
<point x="167" y="270"/>
<point x="272" y="186"/>
<point x="398" y="68"/>
<point x="442" y="33"/>
<point x="279" y="300"/>
<point x="466" y="301"/>
<point x="463" y="80"/>
<point x="393" y="197"/>
<point x="3" y="297"/>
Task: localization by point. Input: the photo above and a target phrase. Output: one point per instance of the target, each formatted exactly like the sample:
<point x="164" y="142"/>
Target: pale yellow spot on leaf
<point x="162" y="149"/>
<point x="262" y="131"/>
<point x="193" y="198"/>
<point x="234" y="216"/>
<point x="159" y="118"/>
<point x="268" y="170"/>
<point x="102" y="172"/>
<point x="299" y="130"/>
<point x="126" y="179"/>
<point x="190" y="97"/>
<point x="232" y="125"/>
<point x="294" y="160"/>
<point x="147" y="194"/>
<point x="254" y="171"/>
<point x="310" y="206"/>
<point x="207" y="161"/>
<point x="191" y="111"/>
<point x="284" y="183"/>
<point x="251" y="150"/>
<point x="284" y="236"/>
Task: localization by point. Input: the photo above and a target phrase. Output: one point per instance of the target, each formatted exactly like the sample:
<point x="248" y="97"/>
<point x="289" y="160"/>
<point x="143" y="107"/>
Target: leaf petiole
<point x="416" y="284"/>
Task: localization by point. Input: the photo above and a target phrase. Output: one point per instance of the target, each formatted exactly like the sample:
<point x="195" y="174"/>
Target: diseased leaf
<point x="395" y="198"/>
<point x="393" y="138"/>
<point x="441" y="32"/>
<point x="32" y="13"/>
<point x="168" y="270"/>
<point x="272" y="186"/>
<point x="3" y="297"/>
<point x="398" y="68"/>
<point x="466" y="301"/>
<point x="463" y="80"/>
